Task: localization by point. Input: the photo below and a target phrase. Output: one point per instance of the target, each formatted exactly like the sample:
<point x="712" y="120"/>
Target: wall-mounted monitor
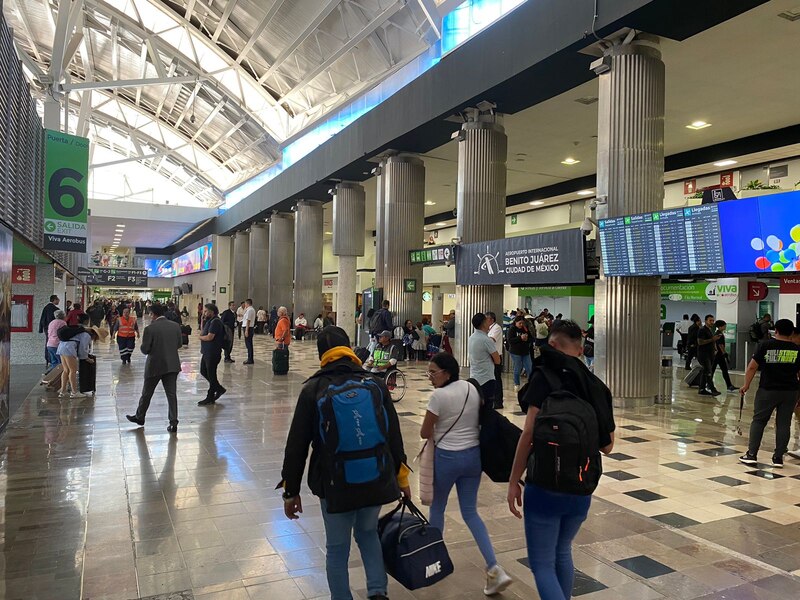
<point x="754" y="235"/>
<point x="194" y="261"/>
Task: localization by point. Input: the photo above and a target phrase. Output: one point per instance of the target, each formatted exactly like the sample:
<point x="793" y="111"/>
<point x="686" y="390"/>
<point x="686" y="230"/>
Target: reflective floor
<point x="93" y="507"/>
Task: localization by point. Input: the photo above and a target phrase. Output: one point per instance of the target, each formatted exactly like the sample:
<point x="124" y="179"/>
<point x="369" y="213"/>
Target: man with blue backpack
<point x="357" y="461"/>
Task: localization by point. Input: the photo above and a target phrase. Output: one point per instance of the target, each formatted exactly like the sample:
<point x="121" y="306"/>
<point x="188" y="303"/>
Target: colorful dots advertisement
<point x="193" y="261"/>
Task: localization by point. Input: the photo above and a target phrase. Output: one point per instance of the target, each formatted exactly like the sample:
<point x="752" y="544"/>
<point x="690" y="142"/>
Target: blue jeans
<point x="552" y="521"/>
<point x="521" y="361"/>
<point x="461" y="468"/>
<point x="362" y="524"/>
<point x="52" y="358"/>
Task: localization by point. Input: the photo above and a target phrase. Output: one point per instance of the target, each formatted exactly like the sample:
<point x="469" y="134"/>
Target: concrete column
<point x="348" y="244"/>
<point x="223" y="262"/>
<point x="241" y="267"/>
<point x="281" y="260"/>
<point x="437" y="307"/>
<point x="480" y="211"/>
<point x="308" y="226"/>
<point x="630" y="173"/>
<point x="404" y="214"/>
<point x="258" y="286"/>
<point x="52" y="113"/>
<point x="380" y="225"/>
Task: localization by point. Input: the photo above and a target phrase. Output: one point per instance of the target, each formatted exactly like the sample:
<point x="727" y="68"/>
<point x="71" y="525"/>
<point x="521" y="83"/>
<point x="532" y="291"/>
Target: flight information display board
<point x="735" y="237"/>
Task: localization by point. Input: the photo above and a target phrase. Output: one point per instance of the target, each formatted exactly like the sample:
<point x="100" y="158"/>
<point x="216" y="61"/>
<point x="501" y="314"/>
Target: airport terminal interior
<point x="220" y="199"/>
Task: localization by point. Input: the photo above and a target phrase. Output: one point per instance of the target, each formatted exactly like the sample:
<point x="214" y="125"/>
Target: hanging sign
<point x="545" y="258"/>
<point x="23" y="274"/>
<point x="438" y="255"/>
<point x="65" y="192"/>
<point x="119" y="277"/>
<point x="756" y="290"/>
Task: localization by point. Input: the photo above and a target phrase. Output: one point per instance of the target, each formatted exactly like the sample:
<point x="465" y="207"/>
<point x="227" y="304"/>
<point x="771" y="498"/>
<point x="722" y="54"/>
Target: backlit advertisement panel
<point x="194" y="261"/>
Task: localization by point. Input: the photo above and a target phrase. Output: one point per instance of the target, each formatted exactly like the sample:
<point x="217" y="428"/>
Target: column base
<point x="634" y="402"/>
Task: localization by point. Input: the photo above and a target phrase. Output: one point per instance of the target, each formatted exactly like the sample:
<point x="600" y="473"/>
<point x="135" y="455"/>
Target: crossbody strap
<point x="457" y="419"/>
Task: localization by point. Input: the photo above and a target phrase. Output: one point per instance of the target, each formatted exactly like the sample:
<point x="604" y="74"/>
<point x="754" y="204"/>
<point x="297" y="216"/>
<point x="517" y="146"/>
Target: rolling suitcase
<point x="694" y="377"/>
<point x="87" y="377"/>
<point x="52" y="379"/>
<point x="280" y="361"/>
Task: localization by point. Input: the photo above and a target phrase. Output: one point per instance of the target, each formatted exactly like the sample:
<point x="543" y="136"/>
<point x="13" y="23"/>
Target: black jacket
<point x="48" y="315"/>
<point x="694" y="328"/>
<point x="516" y="345"/>
<point x="381" y="321"/>
<point x="228" y="318"/>
<point x="304" y="431"/>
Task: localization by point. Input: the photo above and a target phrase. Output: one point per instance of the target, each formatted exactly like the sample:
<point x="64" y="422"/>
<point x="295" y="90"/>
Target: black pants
<point x="170" y="383"/>
<point x="248" y="342"/>
<point x="489" y="392"/>
<point x="208" y="369"/>
<point x="767" y="401"/>
<point x="239" y="327"/>
<point x="228" y="349"/>
<point x="707" y="380"/>
<point x="690" y="354"/>
<point x="721" y="361"/>
<point x="498" y="383"/>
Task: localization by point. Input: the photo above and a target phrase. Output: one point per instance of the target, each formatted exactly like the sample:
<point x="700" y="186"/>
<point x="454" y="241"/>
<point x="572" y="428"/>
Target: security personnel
<point x="127" y="330"/>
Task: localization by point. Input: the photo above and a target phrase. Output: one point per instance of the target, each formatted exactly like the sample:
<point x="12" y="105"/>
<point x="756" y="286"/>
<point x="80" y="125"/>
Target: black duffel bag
<point x="413" y="552"/>
<point x="498" y="439"/>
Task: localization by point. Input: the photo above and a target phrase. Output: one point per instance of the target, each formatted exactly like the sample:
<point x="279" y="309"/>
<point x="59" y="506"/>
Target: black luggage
<point x="87" y="377"/>
<point x="361" y="353"/>
<point x="694" y="377"/>
<point x="414" y="553"/>
<point x="280" y="361"/>
<point x="186" y="331"/>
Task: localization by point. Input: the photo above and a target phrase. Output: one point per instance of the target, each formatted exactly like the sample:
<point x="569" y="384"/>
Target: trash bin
<point x="665" y="381"/>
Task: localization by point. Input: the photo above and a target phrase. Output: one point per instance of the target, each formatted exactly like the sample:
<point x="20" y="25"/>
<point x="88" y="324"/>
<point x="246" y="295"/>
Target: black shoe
<point x="229" y="360"/>
<point x="379" y="597"/>
<point x="249" y="362"/>
<point x="748" y="459"/>
<point x="715" y="392"/>
<point x="134" y="419"/>
<point x="733" y="388"/>
<point x="206" y="402"/>
<point x="497" y="405"/>
<point x="705" y="393"/>
<point x="172" y="428"/>
<point x="777" y="461"/>
<point x="219" y="393"/>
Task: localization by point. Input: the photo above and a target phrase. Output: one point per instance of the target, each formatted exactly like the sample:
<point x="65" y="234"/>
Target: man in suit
<point x="48" y="315"/>
<point x="160" y="342"/>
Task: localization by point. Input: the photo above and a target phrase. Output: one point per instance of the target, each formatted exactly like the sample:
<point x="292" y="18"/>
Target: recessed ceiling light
<point x="328" y="233"/>
<point x="698" y="125"/>
<point x="440" y="224"/>
<point x="429" y="203"/>
<point x="587" y="100"/>
<point x="570" y="161"/>
<point x="120" y="224"/>
<point x="536" y="203"/>
<point x="724" y="163"/>
<point x="585" y="192"/>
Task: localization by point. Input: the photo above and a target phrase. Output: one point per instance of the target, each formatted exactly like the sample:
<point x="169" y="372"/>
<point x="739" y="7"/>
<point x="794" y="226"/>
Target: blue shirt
<point x="480" y="350"/>
<point x="77" y="346"/>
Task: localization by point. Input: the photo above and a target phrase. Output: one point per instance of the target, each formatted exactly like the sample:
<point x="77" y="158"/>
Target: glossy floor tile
<point x="93" y="507"/>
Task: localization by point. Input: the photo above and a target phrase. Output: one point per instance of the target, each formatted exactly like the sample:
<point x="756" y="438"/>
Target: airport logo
<point x="488" y="262"/>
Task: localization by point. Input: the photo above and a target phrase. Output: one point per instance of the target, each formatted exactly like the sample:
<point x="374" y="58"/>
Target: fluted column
<point x="437" y="307"/>
<point x="404" y="214"/>
<point x="241" y="266"/>
<point x="380" y="225"/>
<point x="480" y="211"/>
<point x="308" y="225"/>
<point x="348" y="244"/>
<point x="259" y="262"/>
<point x="630" y="173"/>
<point x="281" y="259"/>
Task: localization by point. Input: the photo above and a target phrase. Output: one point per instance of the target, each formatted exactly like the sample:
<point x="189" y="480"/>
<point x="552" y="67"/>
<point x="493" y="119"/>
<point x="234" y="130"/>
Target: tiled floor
<point x="93" y="507"/>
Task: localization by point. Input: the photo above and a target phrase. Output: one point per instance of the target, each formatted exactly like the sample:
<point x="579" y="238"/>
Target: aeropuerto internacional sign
<point x="544" y="258"/>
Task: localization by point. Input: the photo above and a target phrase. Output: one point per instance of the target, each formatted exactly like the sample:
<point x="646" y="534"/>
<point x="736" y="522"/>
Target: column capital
<point x="409" y="158"/>
<point x="308" y="203"/>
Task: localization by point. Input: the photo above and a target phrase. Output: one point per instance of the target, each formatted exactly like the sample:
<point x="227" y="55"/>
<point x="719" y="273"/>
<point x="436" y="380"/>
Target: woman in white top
<point x="71" y="352"/>
<point x="452" y="423"/>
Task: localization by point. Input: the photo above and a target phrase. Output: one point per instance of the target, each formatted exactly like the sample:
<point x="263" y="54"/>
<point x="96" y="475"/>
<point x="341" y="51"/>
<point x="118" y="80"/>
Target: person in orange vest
<point x="127" y="330"/>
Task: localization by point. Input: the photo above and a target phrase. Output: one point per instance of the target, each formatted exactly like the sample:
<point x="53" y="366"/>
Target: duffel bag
<point x="414" y="552"/>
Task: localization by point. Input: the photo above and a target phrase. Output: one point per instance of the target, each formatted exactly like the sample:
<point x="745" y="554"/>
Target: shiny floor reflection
<point x="93" y="507"/>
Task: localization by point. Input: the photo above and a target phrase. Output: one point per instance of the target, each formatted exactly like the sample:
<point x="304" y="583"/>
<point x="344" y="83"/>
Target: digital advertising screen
<point x="194" y="261"/>
<point x="753" y="235"/>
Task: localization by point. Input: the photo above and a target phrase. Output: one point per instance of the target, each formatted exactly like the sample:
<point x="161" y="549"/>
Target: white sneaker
<point x="77" y="395"/>
<point x="516" y="389"/>
<point x="496" y="581"/>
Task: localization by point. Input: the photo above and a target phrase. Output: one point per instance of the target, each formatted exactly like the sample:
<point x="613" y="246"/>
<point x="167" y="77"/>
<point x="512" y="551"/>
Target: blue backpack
<point x="354" y="429"/>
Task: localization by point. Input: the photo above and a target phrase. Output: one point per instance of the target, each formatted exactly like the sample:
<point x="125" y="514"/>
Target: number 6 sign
<point x="65" y="200"/>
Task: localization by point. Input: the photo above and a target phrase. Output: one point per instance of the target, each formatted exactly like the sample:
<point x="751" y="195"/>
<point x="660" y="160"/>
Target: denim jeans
<point x="52" y="358"/>
<point x="552" y="521"/>
<point x="461" y="468"/>
<point x="362" y="524"/>
<point x="521" y="361"/>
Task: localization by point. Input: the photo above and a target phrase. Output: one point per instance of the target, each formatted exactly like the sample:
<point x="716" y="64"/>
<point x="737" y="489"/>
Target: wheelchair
<point x="396" y="382"/>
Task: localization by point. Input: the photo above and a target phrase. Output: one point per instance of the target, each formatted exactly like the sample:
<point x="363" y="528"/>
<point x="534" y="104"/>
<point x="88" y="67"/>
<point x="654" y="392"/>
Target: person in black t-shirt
<point x="707" y="341"/>
<point x="691" y="341"/>
<point x="212" y="341"/>
<point x="779" y="360"/>
<point x="721" y="359"/>
<point x="228" y="318"/>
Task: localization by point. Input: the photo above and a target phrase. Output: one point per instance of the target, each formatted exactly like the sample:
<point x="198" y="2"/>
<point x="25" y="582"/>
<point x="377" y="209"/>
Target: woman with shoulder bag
<point x="452" y="424"/>
<point x="520" y="341"/>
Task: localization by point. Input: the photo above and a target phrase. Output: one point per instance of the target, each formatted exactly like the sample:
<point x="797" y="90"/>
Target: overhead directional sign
<point x="435" y="255"/>
<point x="65" y="192"/>
<point x="134" y="278"/>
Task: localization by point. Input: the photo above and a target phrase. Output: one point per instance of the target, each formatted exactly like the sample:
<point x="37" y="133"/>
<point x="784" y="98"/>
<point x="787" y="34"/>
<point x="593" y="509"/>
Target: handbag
<point x="414" y="552"/>
<point x="425" y="459"/>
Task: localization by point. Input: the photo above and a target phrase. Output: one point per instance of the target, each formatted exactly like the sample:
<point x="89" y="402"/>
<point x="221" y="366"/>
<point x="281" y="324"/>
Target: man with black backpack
<point x="569" y="423"/>
<point x="381" y="320"/>
<point x="357" y="460"/>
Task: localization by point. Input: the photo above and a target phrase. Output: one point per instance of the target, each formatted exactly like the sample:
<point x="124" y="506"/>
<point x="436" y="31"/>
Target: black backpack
<point x="67" y="332"/>
<point x="755" y="331"/>
<point x="354" y="430"/>
<point x="566" y="452"/>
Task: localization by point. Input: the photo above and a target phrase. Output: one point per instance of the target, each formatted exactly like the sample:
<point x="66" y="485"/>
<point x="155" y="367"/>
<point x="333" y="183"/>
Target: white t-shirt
<point x="262" y="315"/>
<point x="496" y="333"/>
<point x="249" y="317"/>
<point x="239" y="314"/>
<point x="446" y="403"/>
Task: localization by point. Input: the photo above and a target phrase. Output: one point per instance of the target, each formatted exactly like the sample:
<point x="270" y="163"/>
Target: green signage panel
<point x="410" y="285"/>
<point x="435" y="255"/>
<point x="688" y="292"/>
<point x="66" y="203"/>
<point x="557" y="291"/>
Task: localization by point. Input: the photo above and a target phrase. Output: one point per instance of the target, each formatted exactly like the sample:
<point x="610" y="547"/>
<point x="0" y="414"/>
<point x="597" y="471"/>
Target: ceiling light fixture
<point x="536" y="203"/>
<point x="328" y="233"/>
<point x="429" y="203"/>
<point x="570" y="161"/>
<point x="120" y="224"/>
<point x="441" y="224"/>
<point x="725" y="163"/>
<point x="585" y="192"/>
<point x="698" y="125"/>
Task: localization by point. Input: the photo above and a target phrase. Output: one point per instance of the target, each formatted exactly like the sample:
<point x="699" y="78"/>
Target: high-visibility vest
<point x="126" y="327"/>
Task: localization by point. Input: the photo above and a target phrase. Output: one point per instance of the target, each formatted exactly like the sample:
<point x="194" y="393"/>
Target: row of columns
<point x="630" y="167"/>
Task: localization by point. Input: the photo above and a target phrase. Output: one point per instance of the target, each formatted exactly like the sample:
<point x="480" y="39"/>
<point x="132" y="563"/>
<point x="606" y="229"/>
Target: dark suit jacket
<point x="48" y="314"/>
<point x="161" y="342"/>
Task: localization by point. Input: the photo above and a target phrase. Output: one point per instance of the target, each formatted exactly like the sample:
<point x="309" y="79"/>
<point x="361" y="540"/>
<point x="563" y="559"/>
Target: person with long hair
<point x="71" y="352"/>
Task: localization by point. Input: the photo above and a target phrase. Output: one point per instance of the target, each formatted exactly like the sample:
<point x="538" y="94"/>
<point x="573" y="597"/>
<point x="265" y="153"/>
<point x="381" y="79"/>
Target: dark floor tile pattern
<point x="745" y="506"/>
<point x="583" y="584"/>
<point x="676" y="520"/>
<point x="762" y="474"/>
<point x="725" y="480"/>
<point x="620" y="475"/>
<point x="633" y="428"/>
<point x="716" y="452"/>
<point x="679" y="466"/>
<point x="644" y="566"/>
<point x="636" y="439"/>
<point x="645" y="495"/>
<point x="620" y="456"/>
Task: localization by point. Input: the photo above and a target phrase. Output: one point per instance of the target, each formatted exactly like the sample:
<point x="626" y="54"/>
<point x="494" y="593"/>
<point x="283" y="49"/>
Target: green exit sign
<point x="513" y="219"/>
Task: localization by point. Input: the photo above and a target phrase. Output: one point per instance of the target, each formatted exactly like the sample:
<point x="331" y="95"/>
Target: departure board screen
<point x="734" y="237"/>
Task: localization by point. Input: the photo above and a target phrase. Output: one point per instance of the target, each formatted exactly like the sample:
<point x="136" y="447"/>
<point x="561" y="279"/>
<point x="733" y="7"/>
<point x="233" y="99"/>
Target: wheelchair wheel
<point x="396" y="382"/>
